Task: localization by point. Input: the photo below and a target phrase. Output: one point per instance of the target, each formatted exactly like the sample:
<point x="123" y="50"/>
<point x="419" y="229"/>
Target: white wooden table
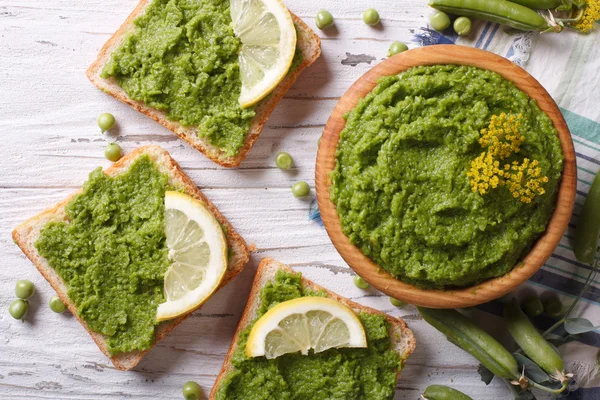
<point x="48" y="112"/>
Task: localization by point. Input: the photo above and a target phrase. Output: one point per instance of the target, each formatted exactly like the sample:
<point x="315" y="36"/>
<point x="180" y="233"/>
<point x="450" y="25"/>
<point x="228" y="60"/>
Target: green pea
<point x="57" y="305"/>
<point x="397" y="303"/>
<point x="553" y="307"/>
<point x="192" y="391"/>
<point x="106" y="121"/>
<point x="439" y="21"/>
<point x="324" y="19"/>
<point x="396" y="47"/>
<point x="360" y="282"/>
<point x="24" y="289"/>
<point x="113" y="152"/>
<point x="371" y="17"/>
<point x="462" y="26"/>
<point x="532" y="305"/>
<point x="284" y="160"/>
<point x="18" y="309"/>
<point x="300" y="189"/>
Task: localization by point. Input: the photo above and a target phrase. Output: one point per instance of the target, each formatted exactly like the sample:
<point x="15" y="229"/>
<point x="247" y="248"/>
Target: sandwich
<point x="133" y="252"/>
<point x="211" y="71"/>
<point x="297" y="340"/>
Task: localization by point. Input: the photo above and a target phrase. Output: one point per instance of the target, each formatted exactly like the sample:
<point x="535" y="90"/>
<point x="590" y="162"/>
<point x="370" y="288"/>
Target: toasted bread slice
<point x="308" y="42"/>
<point x="26" y="234"/>
<point x="403" y="340"/>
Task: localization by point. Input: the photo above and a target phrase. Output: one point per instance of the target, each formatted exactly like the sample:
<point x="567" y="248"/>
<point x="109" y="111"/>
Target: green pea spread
<point x="342" y="374"/>
<point x="182" y="58"/>
<point x="112" y="253"/>
<point x="400" y="181"/>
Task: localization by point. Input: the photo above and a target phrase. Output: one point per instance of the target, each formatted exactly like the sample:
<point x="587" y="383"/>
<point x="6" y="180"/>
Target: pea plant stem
<point x="546" y="389"/>
<point x="532" y="384"/>
<point x="586" y="286"/>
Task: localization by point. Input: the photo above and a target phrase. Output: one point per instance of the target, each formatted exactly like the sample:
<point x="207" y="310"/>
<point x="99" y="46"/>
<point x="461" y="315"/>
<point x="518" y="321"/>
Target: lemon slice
<point x="268" y="36"/>
<point x="305" y="323"/>
<point x="198" y="255"/>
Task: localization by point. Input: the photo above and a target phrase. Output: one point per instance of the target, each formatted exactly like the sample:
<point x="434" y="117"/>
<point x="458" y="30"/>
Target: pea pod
<point x="539" y="4"/>
<point x="500" y="11"/>
<point x="461" y="331"/>
<point x="531" y="341"/>
<point x="441" y="392"/>
<point x="588" y="225"/>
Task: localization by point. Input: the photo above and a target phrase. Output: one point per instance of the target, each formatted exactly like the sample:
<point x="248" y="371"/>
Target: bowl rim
<point x="491" y="288"/>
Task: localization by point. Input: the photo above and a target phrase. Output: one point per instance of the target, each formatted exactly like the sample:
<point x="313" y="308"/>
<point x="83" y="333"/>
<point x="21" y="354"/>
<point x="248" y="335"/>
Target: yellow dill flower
<point x="501" y="139"/>
<point x="525" y="183"/>
<point x="590" y="14"/>
<point x="484" y="173"/>
<point x="502" y="136"/>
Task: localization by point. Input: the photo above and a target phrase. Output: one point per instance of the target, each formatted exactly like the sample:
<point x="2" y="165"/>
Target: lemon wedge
<point x="198" y="255"/>
<point x="317" y="323"/>
<point x="268" y="36"/>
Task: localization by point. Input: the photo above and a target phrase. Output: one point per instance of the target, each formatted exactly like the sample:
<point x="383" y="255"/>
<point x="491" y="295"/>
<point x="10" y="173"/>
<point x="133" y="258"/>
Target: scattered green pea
<point x="192" y="391"/>
<point x="57" y="305"/>
<point x="106" y="121"/>
<point x="532" y="305"/>
<point x="24" y="289"/>
<point x="396" y="47"/>
<point x="324" y="19"/>
<point x="360" y="282"/>
<point x="553" y="307"/>
<point x="371" y="17"/>
<point x="18" y="309"/>
<point x="300" y="189"/>
<point x="462" y="26"/>
<point x="439" y="21"/>
<point x="397" y="303"/>
<point x="113" y="152"/>
<point x="284" y="160"/>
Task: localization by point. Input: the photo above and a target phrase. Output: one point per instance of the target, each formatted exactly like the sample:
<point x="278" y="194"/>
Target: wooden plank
<point x="52" y="143"/>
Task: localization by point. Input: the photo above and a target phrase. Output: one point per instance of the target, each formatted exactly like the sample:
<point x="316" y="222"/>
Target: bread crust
<point x="402" y="337"/>
<point x="308" y="42"/>
<point x="28" y="232"/>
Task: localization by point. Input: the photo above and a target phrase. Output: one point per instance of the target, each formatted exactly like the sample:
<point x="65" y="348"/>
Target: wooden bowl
<point x="487" y="290"/>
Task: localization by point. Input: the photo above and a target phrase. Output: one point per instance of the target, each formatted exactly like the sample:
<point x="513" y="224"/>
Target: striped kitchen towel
<point x="568" y="66"/>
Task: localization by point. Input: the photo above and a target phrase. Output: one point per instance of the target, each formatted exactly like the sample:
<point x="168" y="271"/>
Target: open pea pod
<point x="532" y="342"/>
<point x="461" y="331"/>
<point x="539" y="4"/>
<point x="500" y="11"/>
